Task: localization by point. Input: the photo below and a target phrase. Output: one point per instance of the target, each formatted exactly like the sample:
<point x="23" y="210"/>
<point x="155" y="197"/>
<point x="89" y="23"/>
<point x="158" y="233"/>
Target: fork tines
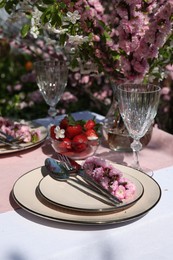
<point x="64" y="159"/>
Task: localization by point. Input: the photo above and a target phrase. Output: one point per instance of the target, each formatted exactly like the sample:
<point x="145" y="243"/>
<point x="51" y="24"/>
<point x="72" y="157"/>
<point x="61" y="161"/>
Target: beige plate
<point x="72" y="195"/>
<point x="23" y="146"/>
<point x="26" y="195"/>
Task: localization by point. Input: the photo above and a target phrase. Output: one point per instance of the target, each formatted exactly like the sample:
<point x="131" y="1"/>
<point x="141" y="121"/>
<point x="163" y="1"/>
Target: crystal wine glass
<point x="51" y="77"/>
<point x="138" y="105"/>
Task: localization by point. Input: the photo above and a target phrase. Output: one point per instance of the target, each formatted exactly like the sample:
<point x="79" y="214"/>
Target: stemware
<point x="138" y="105"/>
<point x="51" y="77"/>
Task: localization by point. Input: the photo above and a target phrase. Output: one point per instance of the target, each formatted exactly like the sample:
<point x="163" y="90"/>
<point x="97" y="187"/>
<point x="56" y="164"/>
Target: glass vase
<point x="115" y="133"/>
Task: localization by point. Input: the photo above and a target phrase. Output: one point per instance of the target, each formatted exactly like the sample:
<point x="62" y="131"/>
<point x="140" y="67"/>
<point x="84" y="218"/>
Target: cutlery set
<point x="9" y="140"/>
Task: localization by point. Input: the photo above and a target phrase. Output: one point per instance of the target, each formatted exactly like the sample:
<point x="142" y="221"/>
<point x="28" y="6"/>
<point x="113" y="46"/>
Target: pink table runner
<point x="157" y="155"/>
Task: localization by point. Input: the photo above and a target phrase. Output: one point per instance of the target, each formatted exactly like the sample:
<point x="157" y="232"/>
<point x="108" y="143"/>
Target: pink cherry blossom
<point x="109" y="177"/>
<point x="120" y="192"/>
<point x="19" y="130"/>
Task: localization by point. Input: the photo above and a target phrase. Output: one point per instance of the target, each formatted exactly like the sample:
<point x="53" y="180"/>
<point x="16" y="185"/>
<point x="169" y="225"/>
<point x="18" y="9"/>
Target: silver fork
<point x="66" y="162"/>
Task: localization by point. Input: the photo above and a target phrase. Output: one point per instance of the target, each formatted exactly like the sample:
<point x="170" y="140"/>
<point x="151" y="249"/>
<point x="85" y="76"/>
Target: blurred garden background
<point x="19" y="94"/>
<point x="20" y="97"/>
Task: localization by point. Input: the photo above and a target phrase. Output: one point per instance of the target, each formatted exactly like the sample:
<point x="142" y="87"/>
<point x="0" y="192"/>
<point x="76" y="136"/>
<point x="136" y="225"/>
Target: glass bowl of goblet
<point x="51" y="77"/>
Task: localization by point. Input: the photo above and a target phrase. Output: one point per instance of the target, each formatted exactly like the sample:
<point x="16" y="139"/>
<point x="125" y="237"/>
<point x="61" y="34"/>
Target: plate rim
<point x="91" y="222"/>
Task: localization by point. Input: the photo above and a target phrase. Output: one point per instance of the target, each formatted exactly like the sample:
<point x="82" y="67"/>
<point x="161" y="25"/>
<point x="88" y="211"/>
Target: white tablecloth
<point x="27" y="237"/>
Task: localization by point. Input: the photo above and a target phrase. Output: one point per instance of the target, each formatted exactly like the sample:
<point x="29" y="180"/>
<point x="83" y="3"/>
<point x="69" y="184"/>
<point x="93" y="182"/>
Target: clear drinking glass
<point x="51" y="77"/>
<point x="138" y="105"/>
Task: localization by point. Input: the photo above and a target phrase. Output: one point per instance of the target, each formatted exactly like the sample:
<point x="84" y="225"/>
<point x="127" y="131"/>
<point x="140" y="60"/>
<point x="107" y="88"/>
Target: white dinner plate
<point x="26" y="195"/>
<point x="4" y="149"/>
<point x="72" y="195"/>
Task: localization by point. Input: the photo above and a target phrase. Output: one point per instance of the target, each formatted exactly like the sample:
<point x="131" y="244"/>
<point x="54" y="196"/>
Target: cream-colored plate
<point x="23" y="146"/>
<point x="72" y="195"/>
<point x="26" y="195"/>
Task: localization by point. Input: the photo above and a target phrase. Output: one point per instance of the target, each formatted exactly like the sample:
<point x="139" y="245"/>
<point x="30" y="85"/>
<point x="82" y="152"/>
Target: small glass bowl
<point x="90" y="150"/>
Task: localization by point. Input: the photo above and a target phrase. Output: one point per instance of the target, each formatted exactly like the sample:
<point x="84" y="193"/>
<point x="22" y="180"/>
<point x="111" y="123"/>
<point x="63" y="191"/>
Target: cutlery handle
<point x="7" y="136"/>
<point x="2" y="133"/>
<point x="92" y="182"/>
<point x="13" y="145"/>
<point x="90" y="188"/>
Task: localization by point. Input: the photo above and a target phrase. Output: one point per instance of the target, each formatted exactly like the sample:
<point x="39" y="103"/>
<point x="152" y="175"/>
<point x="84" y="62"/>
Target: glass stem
<point x="136" y="147"/>
<point x="52" y="113"/>
<point x="136" y="159"/>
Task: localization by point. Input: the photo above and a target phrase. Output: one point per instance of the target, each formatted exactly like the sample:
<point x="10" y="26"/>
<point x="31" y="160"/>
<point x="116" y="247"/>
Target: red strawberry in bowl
<point x="64" y="123"/>
<point x="91" y="134"/>
<point x="73" y="130"/>
<point x="79" y="142"/>
<point x="78" y="139"/>
<point x="90" y="124"/>
<point x="65" y="143"/>
<point x="52" y="131"/>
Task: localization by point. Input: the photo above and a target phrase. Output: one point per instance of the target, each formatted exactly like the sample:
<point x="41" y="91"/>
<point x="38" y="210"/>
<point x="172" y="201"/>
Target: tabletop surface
<point x="24" y="236"/>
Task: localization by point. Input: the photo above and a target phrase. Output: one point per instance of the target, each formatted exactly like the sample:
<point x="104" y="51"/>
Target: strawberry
<point x="91" y="134"/>
<point x="73" y="130"/>
<point x="90" y="124"/>
<point x="51" y="131"/>
<point x="64" y="123"/>
<point x="79" y="142"/>
<point x="65" y="143"/>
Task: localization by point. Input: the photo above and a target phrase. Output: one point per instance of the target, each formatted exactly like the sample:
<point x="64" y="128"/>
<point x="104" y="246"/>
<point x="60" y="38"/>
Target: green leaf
<point x="9" y="7"/>
<point x="74" y="63"/>
<point x="71" y="120"/>
<point x="45" y="17"/>
<point x="62" y="5"/>
<point x="56" y="19"/>
<point x="35" y="138"/>
<point x="63" y="38"/>
<point x="2" y="4"/>
<point x="41" y="8"/>
<point x="25" y="29"/>
<point x="101" y="23"/>
<point x="48" y="2"/>
<point x="115" y="55"/>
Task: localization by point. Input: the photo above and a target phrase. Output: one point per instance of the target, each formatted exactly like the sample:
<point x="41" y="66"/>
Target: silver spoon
<point x="61" y="173"/>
